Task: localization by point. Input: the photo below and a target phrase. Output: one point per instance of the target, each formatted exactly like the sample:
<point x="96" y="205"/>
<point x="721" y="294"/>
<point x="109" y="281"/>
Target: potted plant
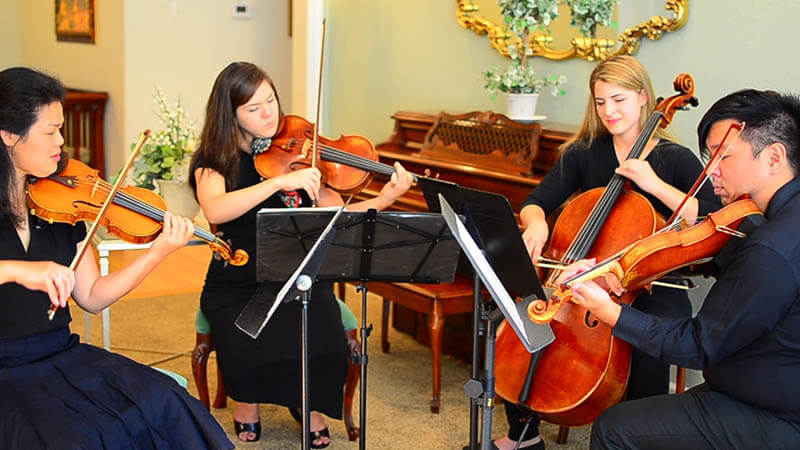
<point x="588" y="14"/>
<point x="519" y="80"/>
<point x="164" y="159"/>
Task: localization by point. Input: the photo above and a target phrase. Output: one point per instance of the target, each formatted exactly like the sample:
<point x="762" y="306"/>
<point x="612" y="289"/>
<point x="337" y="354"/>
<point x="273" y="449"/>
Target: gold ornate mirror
<point x="565" y="41"/>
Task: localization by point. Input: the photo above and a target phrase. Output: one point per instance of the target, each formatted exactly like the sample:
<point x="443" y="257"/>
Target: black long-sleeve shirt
<point x="583" y="167"/>
<point x="746" y="336"/>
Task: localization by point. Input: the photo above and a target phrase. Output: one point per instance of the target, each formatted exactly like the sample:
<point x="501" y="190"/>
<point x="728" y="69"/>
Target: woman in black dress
<point x="54" y="391"/>
<point x="242" y="114"/>
<point x="620" y="101"/>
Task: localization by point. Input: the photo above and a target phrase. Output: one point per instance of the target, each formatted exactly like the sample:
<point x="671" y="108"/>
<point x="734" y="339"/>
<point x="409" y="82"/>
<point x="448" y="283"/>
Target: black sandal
<point x="318" y="435"/>
<point x="254" y="428"/>
<point x="312" y="435"/>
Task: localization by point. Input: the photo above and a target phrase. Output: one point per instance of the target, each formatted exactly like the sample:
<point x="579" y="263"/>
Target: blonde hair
<point x="623" y="71"/>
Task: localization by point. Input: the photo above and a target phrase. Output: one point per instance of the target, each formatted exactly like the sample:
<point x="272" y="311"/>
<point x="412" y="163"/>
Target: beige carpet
<point x="151" y="330"/>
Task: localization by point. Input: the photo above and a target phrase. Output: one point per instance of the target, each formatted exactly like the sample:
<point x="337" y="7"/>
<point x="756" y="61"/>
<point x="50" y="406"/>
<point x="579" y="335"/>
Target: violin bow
<point x="51" y="312"/>
<point x="733" y="132"/>
<point x="314" y="149"/>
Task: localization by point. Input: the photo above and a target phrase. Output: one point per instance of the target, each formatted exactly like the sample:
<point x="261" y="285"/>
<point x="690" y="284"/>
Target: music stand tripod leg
<point x="474" y="387"/>
<point x="493" y="319"/>
<point x="481" y="391"/>
<point x="362" y="361"/>
<point x="303" y="285"/>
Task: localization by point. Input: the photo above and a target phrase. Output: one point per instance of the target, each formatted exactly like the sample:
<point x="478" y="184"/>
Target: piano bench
<point x="435" y="300"/>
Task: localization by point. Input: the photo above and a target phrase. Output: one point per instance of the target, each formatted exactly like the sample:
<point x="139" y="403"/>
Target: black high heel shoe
<point x="254" y="428"/>
<point x="312" y="435"/>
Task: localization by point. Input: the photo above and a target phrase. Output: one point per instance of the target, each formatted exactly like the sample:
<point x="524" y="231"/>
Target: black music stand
<point x="498" y="254"/>
<point x="367" y="246"/>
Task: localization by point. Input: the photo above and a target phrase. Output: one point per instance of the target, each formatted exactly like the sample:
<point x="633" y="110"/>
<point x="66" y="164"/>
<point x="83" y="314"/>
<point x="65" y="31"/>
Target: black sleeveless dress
<point x="267" y="369"/>
<point x="58" y="393"/>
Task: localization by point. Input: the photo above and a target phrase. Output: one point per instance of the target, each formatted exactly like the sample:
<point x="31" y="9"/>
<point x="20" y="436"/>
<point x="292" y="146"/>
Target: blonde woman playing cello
<point x="621" y="99"/>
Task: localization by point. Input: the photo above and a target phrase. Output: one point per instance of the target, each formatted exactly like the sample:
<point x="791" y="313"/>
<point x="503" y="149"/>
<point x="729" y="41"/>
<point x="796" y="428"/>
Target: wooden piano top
<point x="492" y="172"/>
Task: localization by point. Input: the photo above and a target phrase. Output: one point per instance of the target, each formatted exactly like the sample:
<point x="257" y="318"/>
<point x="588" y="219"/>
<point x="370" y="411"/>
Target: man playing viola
<point x="746" y="336"/>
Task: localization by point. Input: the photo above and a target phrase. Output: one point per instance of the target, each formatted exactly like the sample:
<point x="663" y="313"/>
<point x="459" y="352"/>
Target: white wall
<point x="181" y="46"/>
<point x="10" y="42"/>
<point x="413" y="55"/>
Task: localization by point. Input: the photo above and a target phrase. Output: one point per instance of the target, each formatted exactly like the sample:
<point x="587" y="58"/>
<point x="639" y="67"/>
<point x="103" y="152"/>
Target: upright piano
<point x="480" y="150"/>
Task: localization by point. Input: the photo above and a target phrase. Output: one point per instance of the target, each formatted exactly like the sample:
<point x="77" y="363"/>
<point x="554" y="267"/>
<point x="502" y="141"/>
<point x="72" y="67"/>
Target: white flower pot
<point x="521" y="106"/>
<point x="179" y="197"/>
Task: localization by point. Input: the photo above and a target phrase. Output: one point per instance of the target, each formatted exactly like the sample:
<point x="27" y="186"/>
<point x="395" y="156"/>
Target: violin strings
<point x="337" y="155"/>
<point x="343" y="157"/>
<point x="365" y="162"/>
<point x="135" y="204"/>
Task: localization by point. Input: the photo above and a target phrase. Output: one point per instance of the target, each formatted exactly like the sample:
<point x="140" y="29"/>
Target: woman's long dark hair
<point x="218" y="148"/>
<point x="23" y="93"/>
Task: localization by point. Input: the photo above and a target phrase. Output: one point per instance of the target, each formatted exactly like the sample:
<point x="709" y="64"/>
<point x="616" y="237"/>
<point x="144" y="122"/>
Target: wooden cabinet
<point x="84" y="127"/>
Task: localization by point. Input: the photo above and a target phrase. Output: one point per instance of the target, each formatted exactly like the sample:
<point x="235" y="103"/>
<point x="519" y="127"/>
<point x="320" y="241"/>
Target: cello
<point x="590" y="367"/>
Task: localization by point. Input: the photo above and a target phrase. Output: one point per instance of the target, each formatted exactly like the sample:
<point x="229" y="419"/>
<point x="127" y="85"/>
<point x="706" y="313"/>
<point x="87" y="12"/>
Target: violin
<point x="76" y="193"/>
<point x="346" y="163"/>
<point x="655" y="256"/>
<point x="586" y="368"/>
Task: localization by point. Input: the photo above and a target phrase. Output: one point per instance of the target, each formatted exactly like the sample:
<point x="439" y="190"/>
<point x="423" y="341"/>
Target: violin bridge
<point x="306" y="147"/>
<point x="95" y="187"/>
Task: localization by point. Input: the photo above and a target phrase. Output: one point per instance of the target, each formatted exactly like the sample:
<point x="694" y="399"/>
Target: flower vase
<point x="179" y="198"/>
<point x="521" y="106"/>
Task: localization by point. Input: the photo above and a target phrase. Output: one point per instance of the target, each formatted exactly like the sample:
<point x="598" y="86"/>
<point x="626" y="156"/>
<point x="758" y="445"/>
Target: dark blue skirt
<point x="58" y="393"/>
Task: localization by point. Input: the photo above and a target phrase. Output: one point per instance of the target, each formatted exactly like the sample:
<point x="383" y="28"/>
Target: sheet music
<point x="302" y="209"/>
<point x="487" y="274"/>
<point x="254" y="329"/>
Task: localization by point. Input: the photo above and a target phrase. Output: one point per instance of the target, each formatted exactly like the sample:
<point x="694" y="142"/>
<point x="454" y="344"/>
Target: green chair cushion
<point x="181" y="380"/>
<point x="201" y="323"/>
<point x="349" y="320"/>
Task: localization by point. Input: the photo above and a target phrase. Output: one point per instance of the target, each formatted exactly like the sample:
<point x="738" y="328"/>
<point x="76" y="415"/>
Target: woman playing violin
<point x="243" y="113"/>
<point x="56" y="391"/>
<point x="620" y="100"/>
<point x="746" y="335"/>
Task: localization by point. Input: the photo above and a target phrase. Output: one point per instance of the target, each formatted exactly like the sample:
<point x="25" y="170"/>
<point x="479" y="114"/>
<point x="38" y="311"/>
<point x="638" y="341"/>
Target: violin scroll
<point x="223" y="250"/>
<point x="541" y="312"/>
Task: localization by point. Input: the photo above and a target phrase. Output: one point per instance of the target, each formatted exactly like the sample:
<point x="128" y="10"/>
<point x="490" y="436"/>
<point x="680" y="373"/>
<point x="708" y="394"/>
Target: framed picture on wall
<point x="75" y="20"/>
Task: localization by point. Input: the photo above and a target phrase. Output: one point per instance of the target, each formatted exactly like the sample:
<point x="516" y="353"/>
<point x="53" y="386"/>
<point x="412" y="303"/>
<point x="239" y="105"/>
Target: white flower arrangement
<point x="167" y="153"/>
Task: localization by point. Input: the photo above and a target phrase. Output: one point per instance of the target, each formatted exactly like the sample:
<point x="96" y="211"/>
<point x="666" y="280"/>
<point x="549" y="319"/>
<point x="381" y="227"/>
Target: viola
<point x="77" y="193"/>
<point x="587" y="368"/>
<point x="346" y="163"/>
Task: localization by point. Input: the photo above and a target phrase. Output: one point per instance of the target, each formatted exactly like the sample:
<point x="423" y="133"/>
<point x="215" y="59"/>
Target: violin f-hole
<point x="586" y="321"/>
